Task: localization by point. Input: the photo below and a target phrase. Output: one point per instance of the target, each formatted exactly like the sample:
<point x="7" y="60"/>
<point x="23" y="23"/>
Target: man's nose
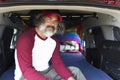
<point x="52" y="23"/>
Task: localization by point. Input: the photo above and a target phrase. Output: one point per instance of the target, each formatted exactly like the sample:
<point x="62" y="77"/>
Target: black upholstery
<point x="111" y="58"/>
<point x="6" y="54"/>
<point x="98" y="37"/>
<point x="105" y="55"/>
<point x="94" y="57"/>
<point x="93" y="54"/>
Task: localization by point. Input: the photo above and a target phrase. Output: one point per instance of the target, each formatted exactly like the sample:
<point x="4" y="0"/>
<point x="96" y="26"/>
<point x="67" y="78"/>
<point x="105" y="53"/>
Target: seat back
<point x="111" y="58"/>
<point x="98" y="37"/>
<point x="93" y="54"/>
<point x="6" y="53"/>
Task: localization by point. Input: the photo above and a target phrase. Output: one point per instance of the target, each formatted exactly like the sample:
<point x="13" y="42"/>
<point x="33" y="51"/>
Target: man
<point x="36" y="47"/>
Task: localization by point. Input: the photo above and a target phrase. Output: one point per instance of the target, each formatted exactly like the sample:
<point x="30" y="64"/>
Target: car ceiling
<point x="110" y="2"/>
<point x="71" y="8"/>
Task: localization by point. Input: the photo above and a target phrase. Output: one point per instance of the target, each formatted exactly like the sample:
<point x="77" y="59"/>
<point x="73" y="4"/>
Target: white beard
<point x="44" y="30"/>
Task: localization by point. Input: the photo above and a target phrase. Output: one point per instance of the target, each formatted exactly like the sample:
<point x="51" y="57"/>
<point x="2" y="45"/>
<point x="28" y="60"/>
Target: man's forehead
<point x="51" y="14"/>
<point x="53" y="17"/>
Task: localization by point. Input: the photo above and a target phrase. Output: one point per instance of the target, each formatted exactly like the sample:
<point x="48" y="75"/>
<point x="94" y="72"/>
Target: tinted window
<point x="116" y="32"/>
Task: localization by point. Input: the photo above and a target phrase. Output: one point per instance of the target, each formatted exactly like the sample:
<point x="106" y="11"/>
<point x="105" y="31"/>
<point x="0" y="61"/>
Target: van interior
<point x="91" y="41"/>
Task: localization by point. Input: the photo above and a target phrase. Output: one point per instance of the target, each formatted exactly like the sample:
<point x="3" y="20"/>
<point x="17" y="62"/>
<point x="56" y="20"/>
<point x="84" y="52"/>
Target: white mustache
<point x="51" y="27"/>
<point x="43" y="29"/>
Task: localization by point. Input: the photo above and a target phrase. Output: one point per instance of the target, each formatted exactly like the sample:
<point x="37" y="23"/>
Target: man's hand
<point x="71" y="78"/>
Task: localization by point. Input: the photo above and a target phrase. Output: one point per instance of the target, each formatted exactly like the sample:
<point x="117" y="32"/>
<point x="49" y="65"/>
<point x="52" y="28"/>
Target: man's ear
<point x="61" y="28"/>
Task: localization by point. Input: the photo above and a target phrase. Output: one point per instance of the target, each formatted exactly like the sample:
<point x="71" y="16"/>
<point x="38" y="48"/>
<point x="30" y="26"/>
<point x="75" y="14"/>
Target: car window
<point x="116" y="32"/>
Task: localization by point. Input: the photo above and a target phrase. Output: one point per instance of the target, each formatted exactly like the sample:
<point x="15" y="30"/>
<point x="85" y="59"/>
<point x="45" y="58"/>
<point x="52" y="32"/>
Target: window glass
<point x="116" y="32"/>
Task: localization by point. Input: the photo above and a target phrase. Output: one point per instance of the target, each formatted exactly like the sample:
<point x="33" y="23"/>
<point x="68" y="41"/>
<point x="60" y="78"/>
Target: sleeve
<point x="58" y="64"/>
<point x="24" y="54"/>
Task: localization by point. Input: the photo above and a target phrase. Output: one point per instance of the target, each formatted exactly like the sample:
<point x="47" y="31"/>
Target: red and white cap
<point x="49" y="14"/>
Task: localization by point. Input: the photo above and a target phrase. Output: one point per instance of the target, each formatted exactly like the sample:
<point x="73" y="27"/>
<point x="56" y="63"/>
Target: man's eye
<point x="56" y="22"/>
<point x="48" y="19"/>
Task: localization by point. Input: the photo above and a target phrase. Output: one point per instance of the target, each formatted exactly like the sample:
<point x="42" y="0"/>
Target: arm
<point x="24" y="54"/>
<point x="58" y="64"/>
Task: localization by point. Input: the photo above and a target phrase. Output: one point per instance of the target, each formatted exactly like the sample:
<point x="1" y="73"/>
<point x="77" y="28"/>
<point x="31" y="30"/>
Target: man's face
<point x="49" y="26"/>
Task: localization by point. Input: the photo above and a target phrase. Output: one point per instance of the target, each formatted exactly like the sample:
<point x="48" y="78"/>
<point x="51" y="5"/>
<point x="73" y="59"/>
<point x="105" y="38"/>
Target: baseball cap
<point x="49" y="14"/>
